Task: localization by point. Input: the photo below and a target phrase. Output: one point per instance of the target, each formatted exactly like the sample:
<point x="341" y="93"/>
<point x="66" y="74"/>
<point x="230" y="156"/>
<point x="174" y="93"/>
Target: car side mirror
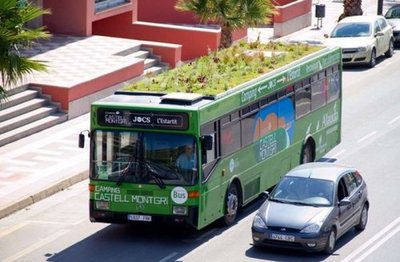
<point x="344" y="202"/>
<point x="326" y="35"/>
<point x="379" y="34"/>
<point x="265" y="194"/>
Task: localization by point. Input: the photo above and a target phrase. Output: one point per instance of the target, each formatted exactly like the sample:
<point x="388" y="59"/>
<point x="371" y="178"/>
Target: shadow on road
<point x="144" y="242"/>
<point x="276" y="254"/>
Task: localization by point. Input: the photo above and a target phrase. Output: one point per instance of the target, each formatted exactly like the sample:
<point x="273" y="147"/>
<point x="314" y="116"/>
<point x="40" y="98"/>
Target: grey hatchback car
<point x="311" y="207"/>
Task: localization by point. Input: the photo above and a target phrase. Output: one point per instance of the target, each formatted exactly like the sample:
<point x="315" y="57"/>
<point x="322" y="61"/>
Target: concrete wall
<point x="195" y="42"/>
<point x="292" y="17"/>
<point x="75" y="17"/>
<point x="163" y="11"/>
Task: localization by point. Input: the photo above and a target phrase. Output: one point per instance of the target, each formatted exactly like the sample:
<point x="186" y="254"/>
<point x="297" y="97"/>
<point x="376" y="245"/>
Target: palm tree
<point x="350" y="8"/>
<point x="14" y="36"/>
<point x="229" y="14"/>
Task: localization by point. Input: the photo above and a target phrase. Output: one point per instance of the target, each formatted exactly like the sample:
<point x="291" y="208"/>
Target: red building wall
<point x="163" y="11"/>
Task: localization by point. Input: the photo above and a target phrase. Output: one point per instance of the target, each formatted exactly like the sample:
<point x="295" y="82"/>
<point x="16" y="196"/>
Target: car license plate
<point x="282" y="237"/>
<point x="139" y="218"/>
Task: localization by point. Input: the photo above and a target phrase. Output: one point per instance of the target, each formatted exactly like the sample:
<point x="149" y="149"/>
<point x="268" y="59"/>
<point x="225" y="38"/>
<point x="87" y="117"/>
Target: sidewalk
<point x="42" y="164"/>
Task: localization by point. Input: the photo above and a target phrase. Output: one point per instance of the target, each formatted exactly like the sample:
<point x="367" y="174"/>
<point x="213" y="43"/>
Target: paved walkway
<point x="73" y="60"/>
<point x="49" y="161"/>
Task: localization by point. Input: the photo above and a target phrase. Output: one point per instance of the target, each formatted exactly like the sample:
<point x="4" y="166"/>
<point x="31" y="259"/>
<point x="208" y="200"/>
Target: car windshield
<point x="393" y="13"/>
<point x="143" y="157"/>
<point x="304" y="190"/>
<point x="351" y="30"/>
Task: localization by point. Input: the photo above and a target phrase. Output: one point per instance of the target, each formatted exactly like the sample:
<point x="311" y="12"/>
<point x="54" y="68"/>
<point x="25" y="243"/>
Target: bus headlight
<point x="102" y="205"/>
<point x="179" y="210"/>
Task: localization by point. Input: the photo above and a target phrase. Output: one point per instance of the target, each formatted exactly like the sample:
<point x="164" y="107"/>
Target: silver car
<point x="393" y="17"/>
<point x="311" y="207"/>
<point x="363" y="39"/>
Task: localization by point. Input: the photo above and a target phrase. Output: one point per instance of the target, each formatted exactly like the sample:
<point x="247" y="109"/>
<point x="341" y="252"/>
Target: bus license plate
<point x="282" y="237"/>
<point x="139" y="218"/>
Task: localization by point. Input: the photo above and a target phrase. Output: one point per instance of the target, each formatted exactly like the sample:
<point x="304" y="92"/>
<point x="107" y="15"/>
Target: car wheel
<point x="331" y="242"/>
<point x="231" y="205"/>
<point x="372" y="61"/>
<point x="307" y="154"/>
<point x="390" y="51"/>
<point x="363" y="218"/>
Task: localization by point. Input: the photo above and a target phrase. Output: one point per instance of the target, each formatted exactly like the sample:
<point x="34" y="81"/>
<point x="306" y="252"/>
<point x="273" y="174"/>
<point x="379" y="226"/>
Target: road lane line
<point x="338" y="154"/>
<point x="366" y="137"/>
<point x="9" y="230"/>
<point x="36" y="246"/>
<point x="372" y="240"/>
<point x="377" y="245"/>
<point x="206" y="234"/>
<point x="393" y="120"/>
<point x="168" y="257"/>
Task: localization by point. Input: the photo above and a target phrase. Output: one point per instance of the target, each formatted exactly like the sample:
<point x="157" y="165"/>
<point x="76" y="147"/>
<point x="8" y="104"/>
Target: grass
<point x="224" y="69"/>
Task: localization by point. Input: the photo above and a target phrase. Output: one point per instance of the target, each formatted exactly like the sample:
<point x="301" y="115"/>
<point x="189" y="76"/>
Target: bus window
<point x="303" y="101"/>
<point x="333" y="86"/>
<point x="230" y="138"/>
<point x="250" y="129"/>
<point x="318" y="94"/>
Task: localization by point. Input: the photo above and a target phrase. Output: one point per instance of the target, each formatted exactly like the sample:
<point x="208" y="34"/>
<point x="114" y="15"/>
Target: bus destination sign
<point x="127" y="118"/>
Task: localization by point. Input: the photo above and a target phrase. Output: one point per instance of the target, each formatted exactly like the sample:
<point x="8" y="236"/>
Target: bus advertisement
<point x="195" y="159"/>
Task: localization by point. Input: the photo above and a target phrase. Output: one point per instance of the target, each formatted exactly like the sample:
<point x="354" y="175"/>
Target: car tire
<point x="331" y="242"/>
<point x="231" y="205"/>
<point x="363" y="218"/>
<point x="307" y="154"/>
<point x="372" y="61"/>
<point x="390" y="51"/>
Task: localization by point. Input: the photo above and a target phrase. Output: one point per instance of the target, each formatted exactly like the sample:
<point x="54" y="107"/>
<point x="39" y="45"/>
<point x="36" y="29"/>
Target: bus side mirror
<point x="82" y="138"/>
<point x="207" y="142"/>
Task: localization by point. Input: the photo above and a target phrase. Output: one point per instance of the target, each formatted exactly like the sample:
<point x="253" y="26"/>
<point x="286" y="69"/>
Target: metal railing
<point x="101" y="5"/>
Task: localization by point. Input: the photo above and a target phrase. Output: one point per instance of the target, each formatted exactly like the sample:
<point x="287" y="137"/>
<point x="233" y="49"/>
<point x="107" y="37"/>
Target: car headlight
<point x="313" y="228"/>
<point x="259" y="222"/>
<point x="362" y="49"/>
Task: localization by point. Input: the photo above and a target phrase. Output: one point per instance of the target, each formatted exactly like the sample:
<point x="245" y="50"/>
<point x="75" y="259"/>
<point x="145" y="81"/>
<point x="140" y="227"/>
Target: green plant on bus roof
<point x="224" y="69"/>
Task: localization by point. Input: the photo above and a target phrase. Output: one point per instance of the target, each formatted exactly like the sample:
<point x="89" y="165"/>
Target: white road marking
<point x="377" y="245"/>
<point x="9" y="230"/>
<point x="36" y="246"/>
<point x="49" y="159"/>
<point x="168" y="257"/>
<point x="206" y="234"/>
<point x="22" y="162"/>
<point x="338" y="153"/>
<point x="366" y="137"/>
<point x="393" y="120"/>
<point x="20" y="169"/>
<point x="372" y="240"/>
<point x="47" y="152"/>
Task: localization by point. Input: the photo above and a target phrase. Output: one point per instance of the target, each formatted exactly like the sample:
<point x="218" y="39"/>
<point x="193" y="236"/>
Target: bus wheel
<point x="232" y="204"/>
<point x="307" y="154"/>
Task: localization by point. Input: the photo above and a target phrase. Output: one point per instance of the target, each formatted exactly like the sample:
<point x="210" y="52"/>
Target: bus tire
<point x="307" y="155"/>
<point x="231" y="205"/>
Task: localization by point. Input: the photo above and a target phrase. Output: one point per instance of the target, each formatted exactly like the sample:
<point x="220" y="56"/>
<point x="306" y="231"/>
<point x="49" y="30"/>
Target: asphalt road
<point x="57" y="229"/>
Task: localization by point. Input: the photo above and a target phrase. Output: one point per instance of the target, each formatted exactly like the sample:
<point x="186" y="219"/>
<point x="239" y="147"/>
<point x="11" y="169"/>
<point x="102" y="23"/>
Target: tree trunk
<point x="226" y="37"/>
<point x="350" y="8"/>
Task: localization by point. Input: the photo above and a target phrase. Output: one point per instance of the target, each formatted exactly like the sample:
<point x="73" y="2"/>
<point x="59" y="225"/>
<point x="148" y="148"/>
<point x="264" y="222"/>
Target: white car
<point x="362" y="39"/>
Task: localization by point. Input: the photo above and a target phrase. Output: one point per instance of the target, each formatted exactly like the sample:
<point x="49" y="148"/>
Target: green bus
<point x="194" y="159"/>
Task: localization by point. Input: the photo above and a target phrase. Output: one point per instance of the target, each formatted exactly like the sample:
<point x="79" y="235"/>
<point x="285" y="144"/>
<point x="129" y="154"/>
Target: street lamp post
<point x="380" y="7"/>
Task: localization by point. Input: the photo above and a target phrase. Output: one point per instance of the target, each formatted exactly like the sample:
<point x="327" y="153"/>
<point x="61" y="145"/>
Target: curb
<point x="42" y="194"/>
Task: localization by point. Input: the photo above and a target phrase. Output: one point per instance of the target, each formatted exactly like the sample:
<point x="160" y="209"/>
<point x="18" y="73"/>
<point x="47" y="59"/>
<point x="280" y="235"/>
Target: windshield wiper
<point x="153" y="173"/>
<point x="278" y="200"/>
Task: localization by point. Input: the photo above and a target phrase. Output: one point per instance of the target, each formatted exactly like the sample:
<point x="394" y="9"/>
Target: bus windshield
<point x="144" y="157"/>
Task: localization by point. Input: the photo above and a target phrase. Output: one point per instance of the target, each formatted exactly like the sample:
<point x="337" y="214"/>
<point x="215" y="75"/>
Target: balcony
<point x="101" y="5"/>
